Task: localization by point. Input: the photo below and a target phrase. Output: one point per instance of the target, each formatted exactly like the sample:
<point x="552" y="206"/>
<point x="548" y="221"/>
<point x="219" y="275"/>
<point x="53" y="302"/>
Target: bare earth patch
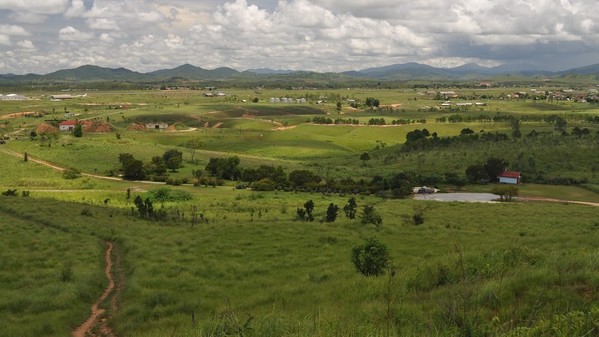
<point x="96" y="324"/>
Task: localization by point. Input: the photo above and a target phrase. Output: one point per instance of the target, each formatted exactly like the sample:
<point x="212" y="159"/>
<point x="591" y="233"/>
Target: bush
<point x="71" y="173"/>
<point x="164" y="194"/>
<point x="371" y="258"/>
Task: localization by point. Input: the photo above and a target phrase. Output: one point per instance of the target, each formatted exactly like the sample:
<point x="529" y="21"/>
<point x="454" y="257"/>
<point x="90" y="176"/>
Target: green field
<point x="235" y="262"/>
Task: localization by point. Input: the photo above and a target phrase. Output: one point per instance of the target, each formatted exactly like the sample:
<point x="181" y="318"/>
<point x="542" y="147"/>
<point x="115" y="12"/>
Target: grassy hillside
<point x="521" y="267"/>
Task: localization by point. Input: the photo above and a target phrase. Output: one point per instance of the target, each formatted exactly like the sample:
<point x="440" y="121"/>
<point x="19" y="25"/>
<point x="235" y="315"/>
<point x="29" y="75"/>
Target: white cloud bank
<point x="321" y="35"/>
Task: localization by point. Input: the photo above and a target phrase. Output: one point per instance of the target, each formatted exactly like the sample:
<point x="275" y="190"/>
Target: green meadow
<point x="236" y="262"/>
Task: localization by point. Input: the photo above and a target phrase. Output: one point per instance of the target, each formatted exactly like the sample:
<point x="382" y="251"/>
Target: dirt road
<point x="96" y="324"/>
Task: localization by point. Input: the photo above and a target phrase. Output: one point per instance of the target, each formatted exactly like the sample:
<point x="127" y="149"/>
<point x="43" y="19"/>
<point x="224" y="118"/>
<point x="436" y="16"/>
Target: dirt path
<point x="559" y="200"/>
<point x="96" y="324"/>
<point x="60" y="168"/>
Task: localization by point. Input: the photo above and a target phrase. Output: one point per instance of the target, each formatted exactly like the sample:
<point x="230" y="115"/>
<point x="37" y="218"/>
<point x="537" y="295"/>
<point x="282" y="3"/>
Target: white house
<point x="156" y="126"/>
<point x="510" y="177"/>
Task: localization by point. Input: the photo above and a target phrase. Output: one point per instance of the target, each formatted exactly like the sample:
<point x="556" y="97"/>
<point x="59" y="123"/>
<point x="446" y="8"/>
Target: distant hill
<point x="268" y="71"/>
<point x="94" y="73"/>
<point x="395" y="72"/>
<point x="192" y="72"/>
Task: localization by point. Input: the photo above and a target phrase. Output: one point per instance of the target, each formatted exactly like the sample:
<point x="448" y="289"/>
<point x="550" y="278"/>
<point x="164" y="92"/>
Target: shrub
<point x="371" y="258"/>
<point x="165" y="194"/>
<point x="71" y="173"/>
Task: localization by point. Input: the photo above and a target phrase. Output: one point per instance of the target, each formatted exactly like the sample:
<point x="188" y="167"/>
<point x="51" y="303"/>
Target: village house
<point x="510" y="177"/>
<point x="70" y="125"/>
<point x="156" y="126"/>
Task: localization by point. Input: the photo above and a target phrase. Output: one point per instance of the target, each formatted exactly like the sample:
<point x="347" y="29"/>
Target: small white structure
<point x="510" y="177"/>
<point x="12" y="97"/>
<point x="156" y="126"/>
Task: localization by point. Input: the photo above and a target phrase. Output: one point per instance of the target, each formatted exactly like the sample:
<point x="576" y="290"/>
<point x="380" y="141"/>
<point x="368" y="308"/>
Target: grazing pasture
<point x="221" y="259"/>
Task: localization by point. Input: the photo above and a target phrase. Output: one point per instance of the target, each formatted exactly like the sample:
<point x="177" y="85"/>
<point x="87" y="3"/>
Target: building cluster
<point x="12" y="97"/>
<point x="287" y="100"/>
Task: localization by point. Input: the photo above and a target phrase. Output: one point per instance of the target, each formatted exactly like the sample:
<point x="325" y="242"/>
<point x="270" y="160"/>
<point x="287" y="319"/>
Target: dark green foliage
<point x="71" y="173"/>
<point x="173" y="159"/>
<point x="157" y="166"/>
<point x="505" y="192"/>
<point x="303" y="178"/>
<point x="371" y="258"/>
<point x="224" y="168"/>
<point x="164" y="194"/>
<point x="264" y="185"/>
<point x="132" y="168"/>
<point x="370" y="216"/>
<point x="10" y="193"/>
<point x="372" y="102"/>
<point x="78" y="130"/>
<point x="494" y="166"/>
<point x="350" y="208"/>
<point x="332" y="211"/>
<point x="477" y="174"/>
<point x="364" y="157"/>
<point x="305" y="214"/>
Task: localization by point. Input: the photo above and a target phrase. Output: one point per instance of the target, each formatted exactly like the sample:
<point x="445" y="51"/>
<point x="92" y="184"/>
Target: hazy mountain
<point x="587" y="70"/>
<point x="268" y="71"/>
<point x="94" y="73"/>
<point x="192" y="72"/>
<point x="406" y="71"/>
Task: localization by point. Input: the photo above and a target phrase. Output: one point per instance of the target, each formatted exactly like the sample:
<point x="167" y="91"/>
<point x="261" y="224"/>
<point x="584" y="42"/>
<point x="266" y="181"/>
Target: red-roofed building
<point x="70" y="125"/>
<point x="510" y="177"/>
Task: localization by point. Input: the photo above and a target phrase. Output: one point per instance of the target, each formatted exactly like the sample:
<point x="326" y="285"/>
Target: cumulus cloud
<point x="26" y="44"/>
<point x="4" y="40"/>
<point x="103" y="24"/>
<point x="40" y="7"/>
<point x="72" y="34"/>
<point x="13" y="30"/>
<point x="322" y="35"/>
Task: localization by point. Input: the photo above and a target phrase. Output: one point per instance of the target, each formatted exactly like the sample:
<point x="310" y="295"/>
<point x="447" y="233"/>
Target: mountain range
<point x="406" y="71"/>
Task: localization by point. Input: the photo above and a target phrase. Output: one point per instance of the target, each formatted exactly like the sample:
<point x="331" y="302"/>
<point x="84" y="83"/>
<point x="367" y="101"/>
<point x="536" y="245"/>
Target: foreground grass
<point x="470" y="269"/>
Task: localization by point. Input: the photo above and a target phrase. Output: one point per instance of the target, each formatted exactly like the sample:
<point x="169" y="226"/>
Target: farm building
<point x="509" y="177"/>
<point x="156" y="126"/>
<point x="12" y="97"/>
<point x="70" y="125"/>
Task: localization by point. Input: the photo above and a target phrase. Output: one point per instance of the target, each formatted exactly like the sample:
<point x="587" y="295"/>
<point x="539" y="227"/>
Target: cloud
<point x="39" y="7"/>
<point x="26" y="44"/>
<point x="72" y="34"/>
<point x="13" y="30"/>
<point x="4" y="40"/>
<point x="322" y="35"/>
<point x="76" y="9"/>
<point x="102" y="24"/>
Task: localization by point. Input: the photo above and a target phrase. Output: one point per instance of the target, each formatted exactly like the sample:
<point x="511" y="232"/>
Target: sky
<point x="42" y="36"/>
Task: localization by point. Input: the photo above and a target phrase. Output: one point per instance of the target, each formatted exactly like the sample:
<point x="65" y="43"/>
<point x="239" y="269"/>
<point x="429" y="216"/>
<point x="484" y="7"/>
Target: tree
<point x="372" y="102"/>
<point x="332" y="211"/>
<point x="505" y="192"/>
<point x="157" y="166"/>
<point x="477" y="174"/>
<point x="350" y="208"/>
<point x="364" y="157"/>
<point x="370" y="216"/>
<point x="78" y="130"/>
<point x="173" y="159"/>
<point x="339" y="105"/>
<point x="560" y="124"/>
<point x="309" y="207"/>
<point x="194" y="145"/>
<point x="494" y="166"/>
<point x="302" y="178"/>
<point x="134" y="170"/>
<point x="371" y="258"/>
